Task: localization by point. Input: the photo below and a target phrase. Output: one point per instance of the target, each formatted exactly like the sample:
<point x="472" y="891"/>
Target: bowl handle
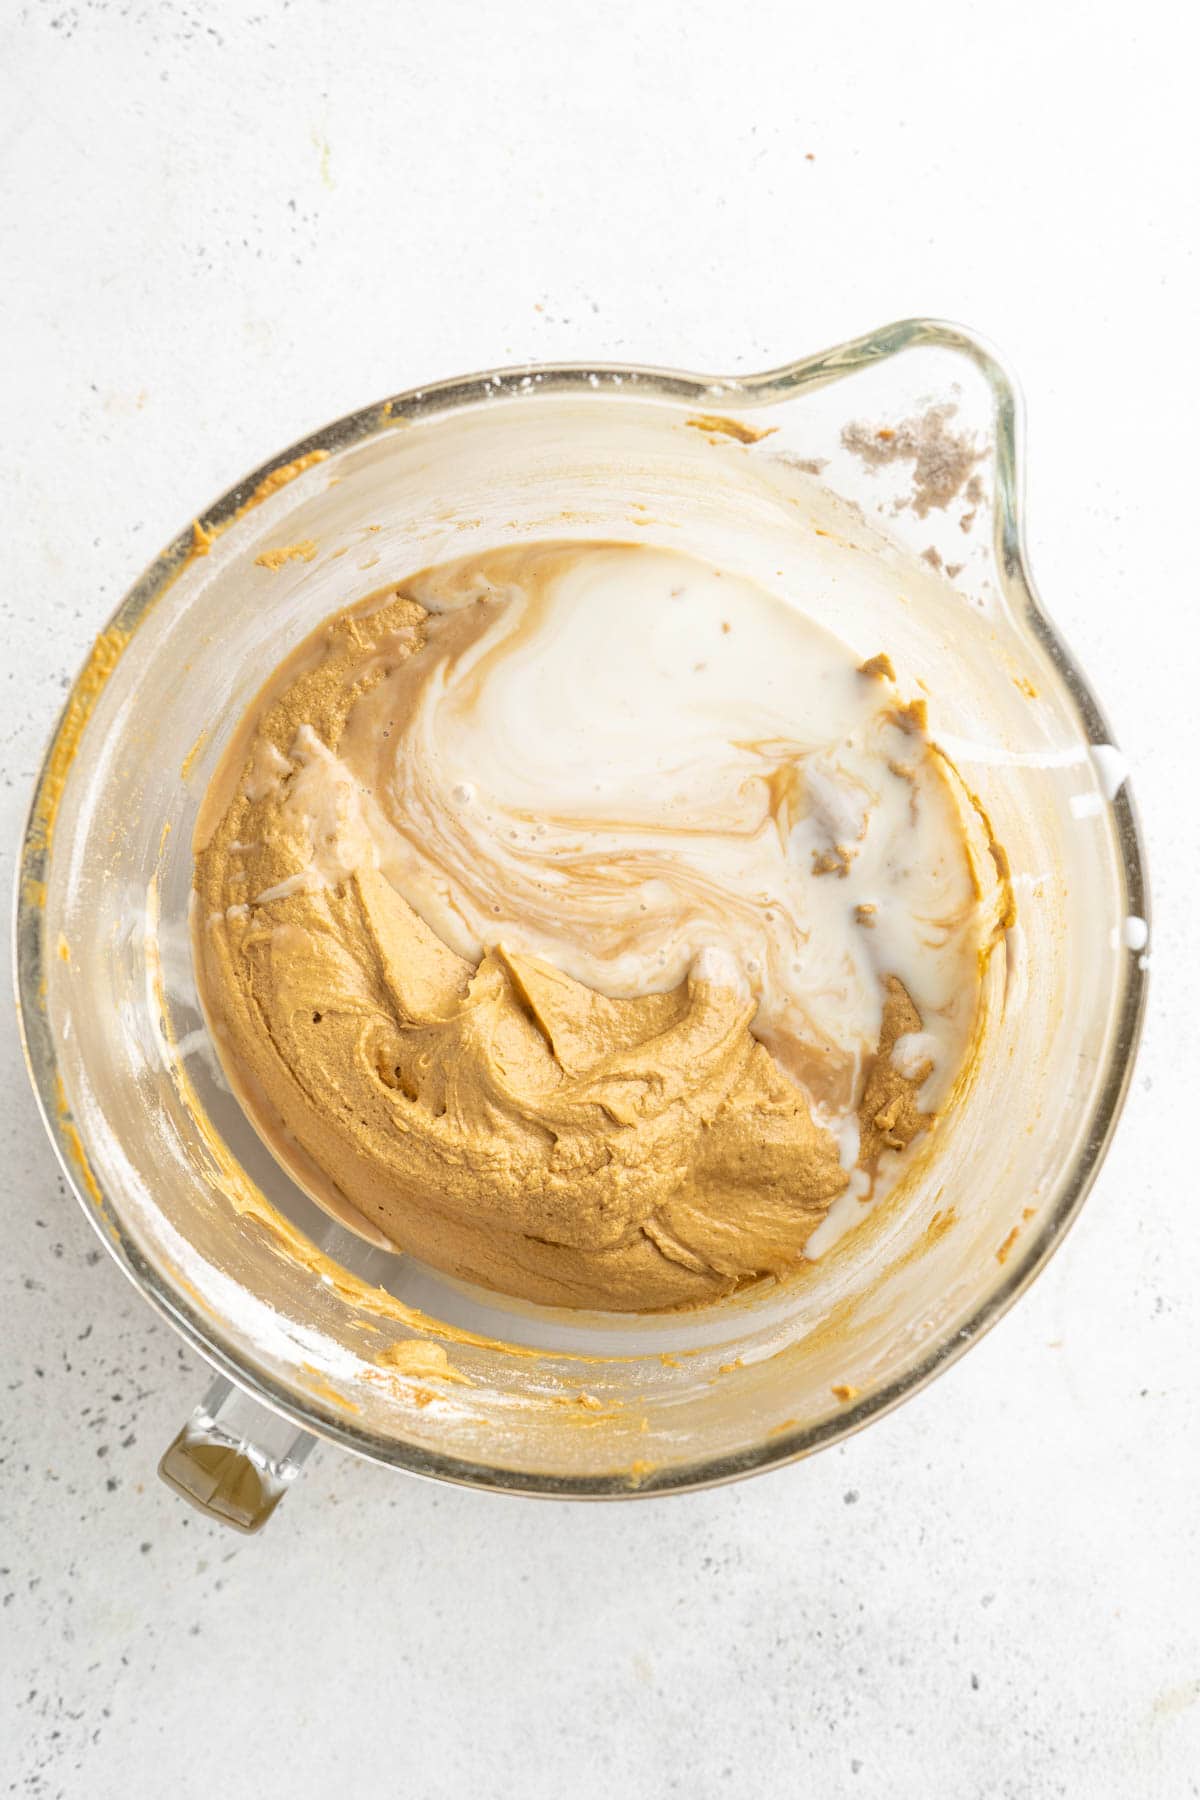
<point x="233" y="1459"/>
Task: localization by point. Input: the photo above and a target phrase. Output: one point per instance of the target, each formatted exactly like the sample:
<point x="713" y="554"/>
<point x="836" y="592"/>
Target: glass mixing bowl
<point x="883" y="476"/>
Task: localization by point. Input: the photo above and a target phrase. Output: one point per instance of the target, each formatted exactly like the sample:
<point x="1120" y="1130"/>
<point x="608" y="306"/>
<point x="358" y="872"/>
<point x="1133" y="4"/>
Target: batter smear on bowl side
<point x="585" y="920"/>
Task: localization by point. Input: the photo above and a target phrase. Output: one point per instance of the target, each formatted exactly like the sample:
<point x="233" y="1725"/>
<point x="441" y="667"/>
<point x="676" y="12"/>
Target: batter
<point x="585" y="920"/>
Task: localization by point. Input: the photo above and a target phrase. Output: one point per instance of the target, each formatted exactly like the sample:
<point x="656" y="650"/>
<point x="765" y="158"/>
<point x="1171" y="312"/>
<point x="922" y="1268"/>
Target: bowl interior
<point x="384" y="1352"/>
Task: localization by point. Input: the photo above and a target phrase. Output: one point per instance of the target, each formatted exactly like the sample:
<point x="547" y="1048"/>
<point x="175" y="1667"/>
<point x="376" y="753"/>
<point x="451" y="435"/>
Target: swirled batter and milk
<point x="586" y="920"/>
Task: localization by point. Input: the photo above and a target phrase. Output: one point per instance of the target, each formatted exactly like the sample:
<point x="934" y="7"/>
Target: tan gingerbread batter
<point x="493" y="1115"/>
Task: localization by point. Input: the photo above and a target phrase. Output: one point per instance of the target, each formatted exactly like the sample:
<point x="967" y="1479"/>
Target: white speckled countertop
<point x="221" y="227"/>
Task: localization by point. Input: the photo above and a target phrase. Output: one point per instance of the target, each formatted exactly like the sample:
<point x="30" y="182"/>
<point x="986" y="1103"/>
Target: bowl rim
<point x="594" y="381"/>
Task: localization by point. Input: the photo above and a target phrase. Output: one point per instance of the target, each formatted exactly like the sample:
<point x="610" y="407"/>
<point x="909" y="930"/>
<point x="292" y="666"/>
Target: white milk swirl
<point x="622" y="760"/>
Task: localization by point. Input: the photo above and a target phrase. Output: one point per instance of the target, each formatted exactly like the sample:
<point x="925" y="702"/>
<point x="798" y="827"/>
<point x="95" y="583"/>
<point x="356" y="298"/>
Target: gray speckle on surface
<point x="219" y="228"/>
